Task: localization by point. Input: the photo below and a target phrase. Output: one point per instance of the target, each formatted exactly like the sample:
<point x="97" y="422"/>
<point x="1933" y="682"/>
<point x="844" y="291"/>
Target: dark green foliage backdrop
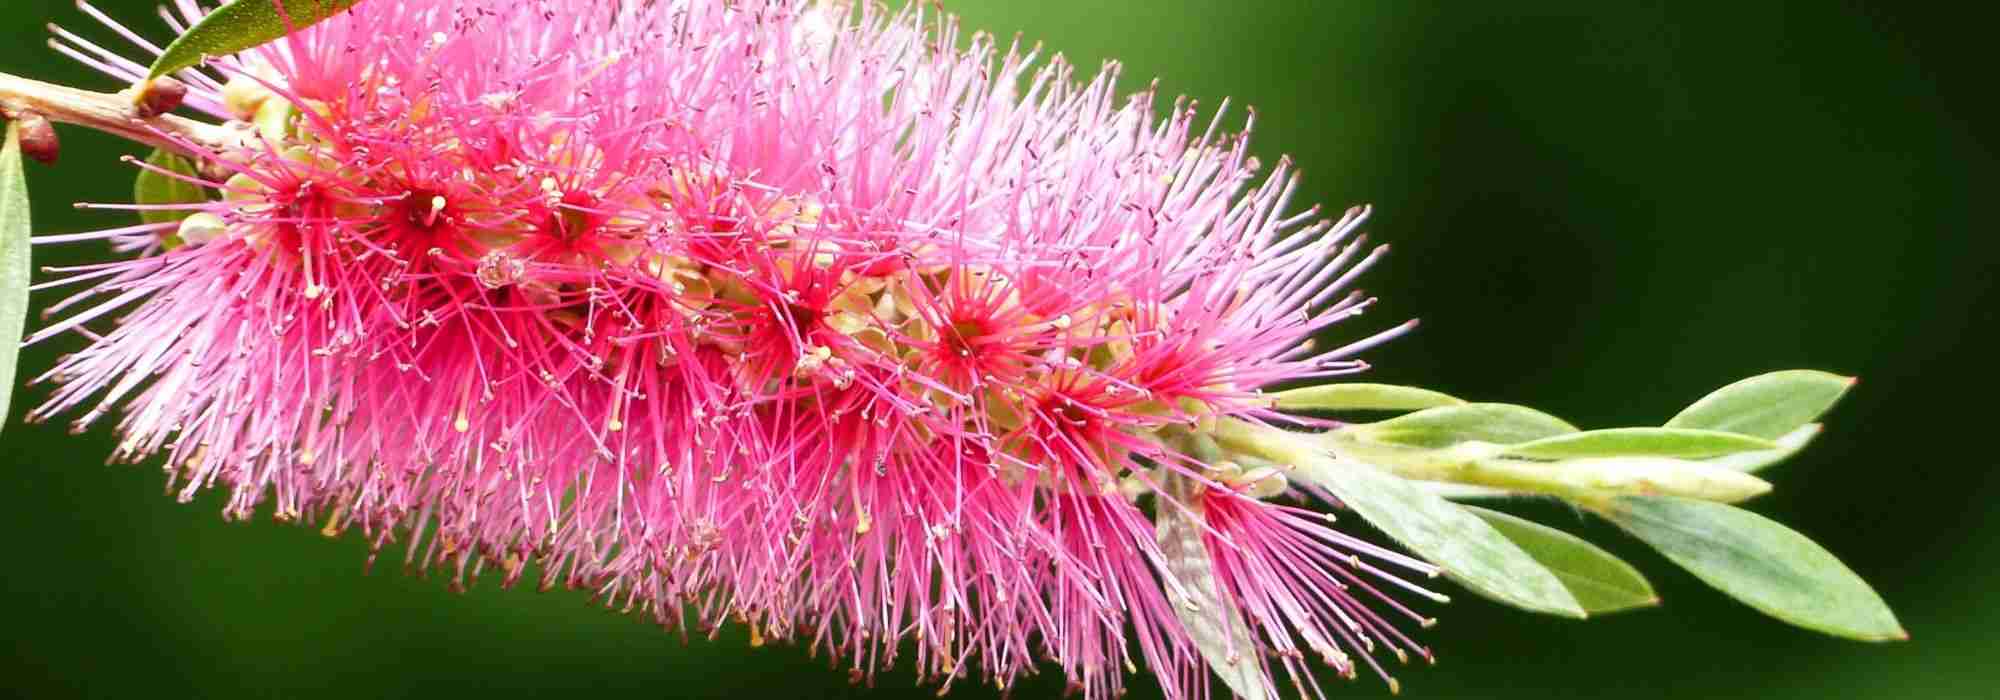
<point x="1599" y="211"/>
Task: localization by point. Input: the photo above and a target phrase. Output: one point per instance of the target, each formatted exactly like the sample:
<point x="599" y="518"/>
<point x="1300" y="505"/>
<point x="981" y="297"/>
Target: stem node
<point x="21" y="98"/>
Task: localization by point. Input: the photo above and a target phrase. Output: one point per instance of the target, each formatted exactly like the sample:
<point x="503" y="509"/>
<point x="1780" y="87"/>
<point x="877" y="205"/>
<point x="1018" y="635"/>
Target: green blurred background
<point x="1603" y="211"/>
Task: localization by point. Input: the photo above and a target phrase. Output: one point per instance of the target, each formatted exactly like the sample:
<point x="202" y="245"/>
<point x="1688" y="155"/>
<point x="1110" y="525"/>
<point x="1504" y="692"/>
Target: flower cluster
<point x="834" y="324"/>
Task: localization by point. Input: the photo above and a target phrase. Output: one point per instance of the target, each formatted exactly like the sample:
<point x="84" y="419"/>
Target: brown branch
<point x="113" y="114"/>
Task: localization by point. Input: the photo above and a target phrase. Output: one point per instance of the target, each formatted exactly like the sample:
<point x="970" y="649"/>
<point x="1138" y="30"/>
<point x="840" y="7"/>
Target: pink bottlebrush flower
<point x="813" y="321"/>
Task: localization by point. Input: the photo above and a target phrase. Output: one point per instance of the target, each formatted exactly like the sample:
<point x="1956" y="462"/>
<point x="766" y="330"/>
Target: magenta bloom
<point x="749" y="311"/>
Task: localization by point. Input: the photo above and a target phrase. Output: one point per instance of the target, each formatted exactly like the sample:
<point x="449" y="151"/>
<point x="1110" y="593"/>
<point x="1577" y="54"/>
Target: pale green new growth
<point x="1666" y="485"/>
<point x="1443" y="533"/>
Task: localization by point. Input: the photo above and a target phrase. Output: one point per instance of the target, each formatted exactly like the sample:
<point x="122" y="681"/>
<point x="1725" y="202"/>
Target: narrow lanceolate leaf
<point x="13" y="262"/>
<point x="1767" y="405"/>
<point x="1640" y="442"/>
<point x="1651" y="476"/>
<point x="1356" y="396"/>
<point x="152" y="187"/>
<point x="1788" y="445"/>
<point x="1462" y="492"/>
<point x="1764" y="564"/>
<point x="1212" y="621"/>
<point x="1499" y="423"/>
<point x="1446" y="534"/>
<point x="242" y="25"/>
<point x="1602" y="583"/>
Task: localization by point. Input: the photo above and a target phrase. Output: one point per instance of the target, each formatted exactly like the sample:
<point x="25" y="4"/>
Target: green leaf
<point x="1788" y="445"/>
<point x="1640" y="442"/>
<point x="1471" y="552"/>
<point x="1592" y="477"/>
<point x="1500" y="423"/>
<point x="1362" y="397"/>
<point x="1463" y="492"/>
<point x="14" y="228"/>
<point x="154" y="188"/>
<point x="1212" y="621"/>
<point x="241" y="25"/>
<point x="1760" y="562"/>
<point x="1602" y="583"/>
<point x="1766" y="406"/>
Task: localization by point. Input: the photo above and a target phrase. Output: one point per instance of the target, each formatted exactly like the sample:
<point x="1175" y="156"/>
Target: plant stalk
<point x="116" y="115"/>
<point x="1592" y="483"/>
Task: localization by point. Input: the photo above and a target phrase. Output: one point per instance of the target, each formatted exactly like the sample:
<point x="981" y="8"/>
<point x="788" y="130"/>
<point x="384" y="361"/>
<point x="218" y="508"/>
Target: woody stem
<point x="112" y="114"/>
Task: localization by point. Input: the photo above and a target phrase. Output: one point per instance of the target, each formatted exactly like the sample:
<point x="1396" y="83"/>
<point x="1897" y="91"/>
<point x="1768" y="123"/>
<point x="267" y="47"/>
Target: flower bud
<point x="274" y="119"/>
<point x="38" y="137"/>
<point x="243" y="95"/>
<point x="200" y="228"/>
<point x="158" y="96"/>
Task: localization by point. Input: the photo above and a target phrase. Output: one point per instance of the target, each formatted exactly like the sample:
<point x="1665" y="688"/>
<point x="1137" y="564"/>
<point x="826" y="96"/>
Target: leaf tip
<point x="1893" y="632"/>
<point x="1886" y="637"/>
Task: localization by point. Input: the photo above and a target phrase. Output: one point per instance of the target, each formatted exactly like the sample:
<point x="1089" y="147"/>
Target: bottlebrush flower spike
<point x="669" y="304"/>
<point x="785" y="314"/>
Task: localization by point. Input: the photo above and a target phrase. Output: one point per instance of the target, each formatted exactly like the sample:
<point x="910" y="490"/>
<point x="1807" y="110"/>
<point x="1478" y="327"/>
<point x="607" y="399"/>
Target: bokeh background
<point x="1600" y="209"/>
